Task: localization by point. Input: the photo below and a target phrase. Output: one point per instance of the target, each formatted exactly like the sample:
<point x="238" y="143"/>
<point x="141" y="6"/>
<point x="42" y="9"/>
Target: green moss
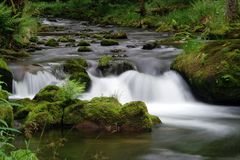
<point x="213" y="72"/>
<point x="109" y="42"/>
<point x="6" y="114"/>
<point x="155" y="119"/>
<point x="49" y="94"/>
<point x="134" y="116"/>
<point x="52" y="43"/>
<point x="104" y="61"/>
<point x="65" y="39"/>
<point x="77" y="70"/>
<point x="84" y="49"/>
<point x="75" y="65"/>
<point x="4" y="65"/>
<point x="81" y="77"/>
<point x="83" y="43"/>
<point x="44" y="115"/>
<point x="26" y="106"/>
<point x="4" y="95"/>
<point x="116" y="35"/>
<point x="34" y="39"/>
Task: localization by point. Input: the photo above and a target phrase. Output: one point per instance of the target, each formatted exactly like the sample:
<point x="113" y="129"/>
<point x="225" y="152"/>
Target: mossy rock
<point x="109" y="65"/>
<point x="135" y="117"/>
<point x="5" y="76"/>
<point x="6" y="114"/>
<point x="44" y="115"/>
<point x="213" y="73"/>
<point x="10" y="54"/>
<point x="101" y="112"/>
<point x="83" y="78"/>
<point x="34" y="39"/>
<point x="116" y="35"/>
<point x="4" y="94"/>
<point x="49" y="93"/>
<point x="75" y="65"/>
<point x="76" y="68"/>
<point x="109" y="42"/>
<point x="52" y="43"/>
<point x="149" y="45"/>
<point x="26" y="106"/>
<point x="84" y="49"/>
<point x="65" y="39"/>
<point x="83" y="43"/>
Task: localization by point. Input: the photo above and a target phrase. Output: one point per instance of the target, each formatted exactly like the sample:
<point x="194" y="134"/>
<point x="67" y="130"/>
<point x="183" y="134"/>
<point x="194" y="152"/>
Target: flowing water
<point x="191" y="130"/>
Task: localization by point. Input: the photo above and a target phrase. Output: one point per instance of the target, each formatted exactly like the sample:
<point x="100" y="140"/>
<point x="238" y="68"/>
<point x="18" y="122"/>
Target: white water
<point x="32" y="83"/>
<point x="167" y="96"/>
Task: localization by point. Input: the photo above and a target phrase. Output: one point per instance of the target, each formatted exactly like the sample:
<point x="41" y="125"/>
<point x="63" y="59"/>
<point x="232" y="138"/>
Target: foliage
<point x="6" y="139"/>
<point x="71" y="90"/>
<point x="16" y="29"/>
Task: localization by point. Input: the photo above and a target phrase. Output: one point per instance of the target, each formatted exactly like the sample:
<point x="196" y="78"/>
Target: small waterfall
<point x="32" y="83"/>
<point x="132" y="85"/>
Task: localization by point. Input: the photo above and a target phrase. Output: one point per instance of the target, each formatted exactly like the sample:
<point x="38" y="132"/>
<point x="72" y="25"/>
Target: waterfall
<point x="132" y="85"/>
<point x="32" y="83"/>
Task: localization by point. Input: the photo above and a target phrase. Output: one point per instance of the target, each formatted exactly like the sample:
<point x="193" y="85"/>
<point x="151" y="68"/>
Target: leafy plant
<point x="71" y="90"/>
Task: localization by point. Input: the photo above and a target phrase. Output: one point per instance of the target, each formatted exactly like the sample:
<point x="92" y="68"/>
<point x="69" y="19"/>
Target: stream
<point x="189" y="126"/>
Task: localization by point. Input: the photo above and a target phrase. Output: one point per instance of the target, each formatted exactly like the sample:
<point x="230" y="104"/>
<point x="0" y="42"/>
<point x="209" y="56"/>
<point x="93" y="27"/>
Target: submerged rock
<point x="109" y="65"/>
<point x="213" y="71"/>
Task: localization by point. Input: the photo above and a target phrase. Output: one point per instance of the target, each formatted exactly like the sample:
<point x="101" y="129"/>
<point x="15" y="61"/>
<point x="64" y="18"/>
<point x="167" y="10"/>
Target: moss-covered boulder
<point x="76" y="68"/>
<point x="106" y="113"/>
<point x="5" y="76"/>
<point x="52" y="43"/>
<point x="213" y="71"/>
<point x="109" y="65"/>
<point x="49" y="93"/>
<point x="83" y="43"/>
<point x="135" y="117"/>
<point x="25" y="107"/>
<point x="84" y="49"/>
<point x="44" y="115"/>
<point x="109" y="42"/>
<point x="10" y="54"/>
<point x="65" y="39"/>
<point x="6" y="113"/>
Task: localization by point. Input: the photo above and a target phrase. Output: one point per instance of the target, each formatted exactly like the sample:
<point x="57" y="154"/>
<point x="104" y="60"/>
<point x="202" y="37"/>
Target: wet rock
<point x="5" y="76"/>
<point x="112" y="66"/>
<point x="84" y="49"/>
<point x="76" y="68"/>
<point x="52" y="43"/>
<point x="83" y="43"/>
<point x="117" y="50"/>
<point x="65" y="39"/>
<point x="131" y="46"/>
<point x="150" y="45"/>
<point x="109" y="42"/>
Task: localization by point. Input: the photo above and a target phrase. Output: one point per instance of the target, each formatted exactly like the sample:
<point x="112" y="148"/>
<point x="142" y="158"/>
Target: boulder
<point x="109" y="65"/>
<point x="109" y="42"/>
<point x="6" y="77"/>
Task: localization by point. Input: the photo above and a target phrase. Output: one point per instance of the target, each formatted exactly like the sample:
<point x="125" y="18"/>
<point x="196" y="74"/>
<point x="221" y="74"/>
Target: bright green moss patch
<point x="49" y="94"/>
<point x="104" y="61"/>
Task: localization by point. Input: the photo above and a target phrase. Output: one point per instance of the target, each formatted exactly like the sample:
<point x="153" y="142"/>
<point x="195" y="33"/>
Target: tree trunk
<point x="232" y="10"/>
